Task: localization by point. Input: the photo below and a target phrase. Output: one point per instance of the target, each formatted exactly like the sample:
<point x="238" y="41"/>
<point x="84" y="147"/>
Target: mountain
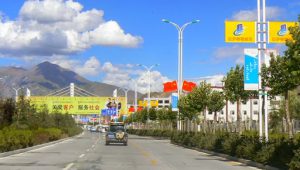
<point x="46" y="77"/>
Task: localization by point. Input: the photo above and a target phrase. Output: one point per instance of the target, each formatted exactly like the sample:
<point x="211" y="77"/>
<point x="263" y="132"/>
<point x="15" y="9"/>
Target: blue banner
<point x="251" y="69"/>
<point x="174" y="101"/>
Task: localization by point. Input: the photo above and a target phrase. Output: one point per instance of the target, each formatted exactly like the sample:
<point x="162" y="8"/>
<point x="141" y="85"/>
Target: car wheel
<point x="106" y="143"/>
<point x="125" y="144"/>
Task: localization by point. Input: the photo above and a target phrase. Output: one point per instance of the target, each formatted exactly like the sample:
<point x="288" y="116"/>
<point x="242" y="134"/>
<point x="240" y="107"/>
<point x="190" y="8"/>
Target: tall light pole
<point x="135" y="94"/>
<point x="180" y="52"/>
<point x="126" y="100"/>
<point x="17" y="90"/>
<point x="149" y="82"/>
<point x="180" y="48"/>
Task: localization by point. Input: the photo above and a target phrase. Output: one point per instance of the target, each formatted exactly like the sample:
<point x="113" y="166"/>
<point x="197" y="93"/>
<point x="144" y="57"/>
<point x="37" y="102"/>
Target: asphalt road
<point x="89" y="152"/>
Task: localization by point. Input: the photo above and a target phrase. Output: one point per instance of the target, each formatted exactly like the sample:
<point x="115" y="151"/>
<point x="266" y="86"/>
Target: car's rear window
<point x="114" y="128"/>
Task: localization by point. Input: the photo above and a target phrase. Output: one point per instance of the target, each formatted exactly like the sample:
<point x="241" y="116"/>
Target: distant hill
<point x="47" y="77"/>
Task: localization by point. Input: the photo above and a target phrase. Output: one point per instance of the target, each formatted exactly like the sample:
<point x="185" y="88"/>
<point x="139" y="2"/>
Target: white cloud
<point x="126" y="75"/>
<point x="214" y="80"/>
<point x="90" y="67"/>
<point x="272" y="12"/>
<point x="58" y="27"/>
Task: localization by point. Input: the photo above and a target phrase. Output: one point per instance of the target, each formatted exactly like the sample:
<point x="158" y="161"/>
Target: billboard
<point x="251" y="69"/>
<point x="240" y="31"/>
<point x="78" y="105"/>
<point x="279" y="32"/>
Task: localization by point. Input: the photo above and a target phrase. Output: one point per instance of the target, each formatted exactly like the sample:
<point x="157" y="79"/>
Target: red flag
<point x="188" y="86"/>
<point x="131" y="109"/>
<point x="170" y="86"/>
<point x="140" y="108"/>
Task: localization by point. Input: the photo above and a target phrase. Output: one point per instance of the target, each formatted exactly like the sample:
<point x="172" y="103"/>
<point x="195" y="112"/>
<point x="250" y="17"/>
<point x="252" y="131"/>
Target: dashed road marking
<point x="88" y="150"/>
<point x="82" y="155"/>
<point x="234" y="163"/>
<point x="145" y="154"/>
<point x="68" y="166"/>
<point x="93" y="146"/>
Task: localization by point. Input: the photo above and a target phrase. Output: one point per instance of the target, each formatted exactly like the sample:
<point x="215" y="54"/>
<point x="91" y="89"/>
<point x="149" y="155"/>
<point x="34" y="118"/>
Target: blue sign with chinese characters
<point x="251" y="69"/>
<point x="109" y="112"/>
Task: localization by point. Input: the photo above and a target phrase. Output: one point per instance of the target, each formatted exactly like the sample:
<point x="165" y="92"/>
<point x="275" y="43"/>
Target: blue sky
<point x="151" y="41"/>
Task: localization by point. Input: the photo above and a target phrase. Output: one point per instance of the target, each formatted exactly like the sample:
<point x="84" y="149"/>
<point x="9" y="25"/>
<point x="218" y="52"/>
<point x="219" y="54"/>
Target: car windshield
<point x="114" y="128"/>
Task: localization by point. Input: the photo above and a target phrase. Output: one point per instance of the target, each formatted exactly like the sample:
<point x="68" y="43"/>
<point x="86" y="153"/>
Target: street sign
<point x="251" y="69"/>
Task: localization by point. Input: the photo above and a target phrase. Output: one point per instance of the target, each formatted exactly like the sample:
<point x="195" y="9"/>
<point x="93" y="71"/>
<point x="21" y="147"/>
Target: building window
<point x="221" y="112"/>
<point x="232" y="103"/>
<point x="210" y="113"/>
<point x="160" y="106"/>
<point x="232" y="112"/>
<point x="255" y="112"/>
<point x="160" y="101"/>
<point x="166" y="106"/>
<point x="244" y="102"/>
<point x="255" y="102"/>
<point x="245" y="112"/>
<point x="167" y="101"/>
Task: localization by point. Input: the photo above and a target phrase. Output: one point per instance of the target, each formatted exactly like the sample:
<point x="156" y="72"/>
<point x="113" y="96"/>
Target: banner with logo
<point x="78" y="105"/>
<point x="279" y="31"/>
<point x="174" y="100"/>
<point x="251" y="69"/>
<point x="240" y="31"/>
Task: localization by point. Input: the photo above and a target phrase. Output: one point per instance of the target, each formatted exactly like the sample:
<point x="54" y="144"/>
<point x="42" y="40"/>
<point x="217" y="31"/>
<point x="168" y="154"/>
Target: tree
<point x="216" y="103"/>
<point x="279" y="78"/>
<point x="152" y="114"/>
<point x="234" y="89"/>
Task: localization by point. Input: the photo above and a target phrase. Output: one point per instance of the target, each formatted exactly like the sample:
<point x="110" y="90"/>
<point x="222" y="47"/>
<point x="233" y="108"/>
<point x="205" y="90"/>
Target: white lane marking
<point x="93" y="146"/>
<point x="88" y="150"/>
<point x="68" y="166"/>
<point x="82" y="155"/>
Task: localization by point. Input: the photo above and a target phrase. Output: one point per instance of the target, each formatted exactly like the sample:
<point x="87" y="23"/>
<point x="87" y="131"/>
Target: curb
<point x="9" y="153"/>
<point x="244" y="161"/>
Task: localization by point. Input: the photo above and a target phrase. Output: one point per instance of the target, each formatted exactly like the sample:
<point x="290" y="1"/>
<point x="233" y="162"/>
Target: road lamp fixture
<point x="17" y="94"/>
<point x="180" y="48"/>
<point x="149" y="83"/>
<point x="126" y="98"/>
<point x="180" y="53"/>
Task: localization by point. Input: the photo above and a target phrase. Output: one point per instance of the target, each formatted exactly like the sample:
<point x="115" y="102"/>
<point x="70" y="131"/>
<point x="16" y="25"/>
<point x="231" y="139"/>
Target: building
<point x="162" y="102"/>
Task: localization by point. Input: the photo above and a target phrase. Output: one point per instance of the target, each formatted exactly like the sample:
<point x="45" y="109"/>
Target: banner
<point x="77" y="105"/>
<point x="188" y="86"/>
<point x="279" y="31"/>
<point x="174" y="100"/>
<point x="240" y="32"/>
<point x="251" y="69"/>
<point x="144" y="103"/>
<point x="170" y="86"/>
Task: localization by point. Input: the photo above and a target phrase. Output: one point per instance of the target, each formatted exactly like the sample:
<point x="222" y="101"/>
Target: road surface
<point x="88" y="152"/>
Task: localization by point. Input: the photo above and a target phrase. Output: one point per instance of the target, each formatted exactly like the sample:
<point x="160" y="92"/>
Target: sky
<point x="104" y="40"/>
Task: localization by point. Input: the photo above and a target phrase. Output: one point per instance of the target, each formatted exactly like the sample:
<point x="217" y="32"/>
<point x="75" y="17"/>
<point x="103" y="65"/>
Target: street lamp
<point x="126" y="100"/>
<point x="180" y="44"/>
<point x="17" y="90"/>
<point x="149" y="82"/>
<point x="135" y="94"/>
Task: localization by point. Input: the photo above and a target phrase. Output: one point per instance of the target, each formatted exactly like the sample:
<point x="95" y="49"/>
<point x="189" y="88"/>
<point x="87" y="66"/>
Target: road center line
<point x="68" y="166"/>
<point x="82" y="155"/>
<point x="145" y="154"/>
